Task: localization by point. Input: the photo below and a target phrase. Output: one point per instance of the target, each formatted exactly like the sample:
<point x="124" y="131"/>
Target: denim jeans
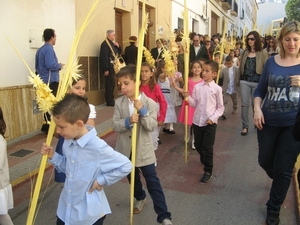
<point x="154" y="188"/>
<point x="278" y="152"/>
<point x="247" y="90"/>
<point x="204" y="143"/>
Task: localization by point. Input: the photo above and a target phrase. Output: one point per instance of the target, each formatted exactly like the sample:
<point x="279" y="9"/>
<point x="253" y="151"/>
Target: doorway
<point x="214" y="23"/>
<point x="119" y="28"/>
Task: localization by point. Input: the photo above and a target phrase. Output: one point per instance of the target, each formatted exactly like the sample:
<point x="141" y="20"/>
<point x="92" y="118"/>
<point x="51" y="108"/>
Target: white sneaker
<point x="138" y="206"/>
<point x="193" y="146"/>
<point x="193" y="141"/>
<point x="166" y="222"/>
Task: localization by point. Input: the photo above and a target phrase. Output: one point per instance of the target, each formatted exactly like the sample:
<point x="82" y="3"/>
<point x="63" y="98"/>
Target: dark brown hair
<point x="152" y="80"/>
<point x="257" y="44"/>
<point x="2" y="123"/>
<point x="72" y="108"/>
<point x="127" y="71"/>
<point x="213" y="65"/>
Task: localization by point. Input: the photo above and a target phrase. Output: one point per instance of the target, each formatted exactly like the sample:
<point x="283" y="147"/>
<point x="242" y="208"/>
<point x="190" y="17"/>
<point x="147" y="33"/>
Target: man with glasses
<point x="198" y="50"/>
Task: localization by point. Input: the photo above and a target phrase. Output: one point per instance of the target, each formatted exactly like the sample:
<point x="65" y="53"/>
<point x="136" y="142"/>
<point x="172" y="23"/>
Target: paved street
<point x="235" y="195"/>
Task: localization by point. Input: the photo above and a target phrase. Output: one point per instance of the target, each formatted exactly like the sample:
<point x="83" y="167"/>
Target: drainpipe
<point x="207" y="20"/>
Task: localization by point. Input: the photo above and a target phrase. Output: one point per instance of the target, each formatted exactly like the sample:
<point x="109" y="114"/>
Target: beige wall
<point x="104" y="19"/>
<point x="16" y="95"/>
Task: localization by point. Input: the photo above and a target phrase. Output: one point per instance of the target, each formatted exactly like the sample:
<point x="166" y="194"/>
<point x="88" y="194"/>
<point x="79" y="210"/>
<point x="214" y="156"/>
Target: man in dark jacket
<point x="108" y="50"/>
<point x="198" y="50"/>
<point x="131" y="51"/>
<point x="158" y="51"/>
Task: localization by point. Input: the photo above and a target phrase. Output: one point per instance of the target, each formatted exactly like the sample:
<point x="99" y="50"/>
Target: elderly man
<point x="197" y="50"/>
<point x="109" y="48"/>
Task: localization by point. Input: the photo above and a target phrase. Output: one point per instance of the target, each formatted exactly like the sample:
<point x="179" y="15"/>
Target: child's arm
<point x="47" y="150"/>
<point x="3" y="154"/>
<point x="162" y="105"/>
<point x="114" y="166"/>
<point x="56" y="159"/>
<point x="193" y="99"/>
<point x="180" y="90"/>
<point x="219" y="106"/>
<point x="148" y="114"/>
<point x="92" y="116"/>
<point x="222" y="73"/>
<point x="120" y="124"/>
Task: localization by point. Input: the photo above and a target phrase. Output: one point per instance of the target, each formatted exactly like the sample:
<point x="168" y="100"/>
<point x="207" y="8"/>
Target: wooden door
<point x="214" y="24"/>
<point x="118" y="28"/>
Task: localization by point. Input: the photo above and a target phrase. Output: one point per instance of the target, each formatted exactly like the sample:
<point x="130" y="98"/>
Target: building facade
<point x="23" y="22"/>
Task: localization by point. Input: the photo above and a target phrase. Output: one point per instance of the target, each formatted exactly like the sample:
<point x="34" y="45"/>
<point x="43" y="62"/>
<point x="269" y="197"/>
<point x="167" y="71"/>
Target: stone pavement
<point x="236" y="194"/>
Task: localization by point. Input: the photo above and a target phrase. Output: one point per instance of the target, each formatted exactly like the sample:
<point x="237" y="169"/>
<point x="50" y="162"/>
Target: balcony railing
<point x="226" y="4"/>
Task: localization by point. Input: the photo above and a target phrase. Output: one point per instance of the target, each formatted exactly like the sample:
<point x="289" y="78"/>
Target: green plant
<point x="292" y="9"/>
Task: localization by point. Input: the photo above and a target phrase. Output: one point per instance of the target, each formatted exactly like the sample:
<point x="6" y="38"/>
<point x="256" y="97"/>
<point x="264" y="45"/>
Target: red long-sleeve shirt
<point x="157" y="96"/>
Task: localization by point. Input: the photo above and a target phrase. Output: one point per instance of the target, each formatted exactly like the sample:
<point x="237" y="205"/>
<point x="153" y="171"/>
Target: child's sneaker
<point x="193" y="146"/>
<point x="193" y="141"/>
<point x="206" y="177"/>
<point x="138" y="206"/>
<point x="166" y="222"/>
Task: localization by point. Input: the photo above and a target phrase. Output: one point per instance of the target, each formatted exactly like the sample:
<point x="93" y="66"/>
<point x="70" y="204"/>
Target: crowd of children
<point x="100" y="165"/>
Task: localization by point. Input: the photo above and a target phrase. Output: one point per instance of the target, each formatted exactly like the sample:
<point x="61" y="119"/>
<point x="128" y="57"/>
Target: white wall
<point x="264" y="19"/>
<point x="17" y="17"/>
<point x="195" y="10"/>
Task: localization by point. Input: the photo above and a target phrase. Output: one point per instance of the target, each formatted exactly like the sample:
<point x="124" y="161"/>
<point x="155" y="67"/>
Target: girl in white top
<point x="78" y="88"/>
<point x="6" y="195"/>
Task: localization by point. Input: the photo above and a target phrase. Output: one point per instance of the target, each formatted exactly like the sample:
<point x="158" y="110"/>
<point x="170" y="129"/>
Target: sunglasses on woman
<point x="250" y="39"/>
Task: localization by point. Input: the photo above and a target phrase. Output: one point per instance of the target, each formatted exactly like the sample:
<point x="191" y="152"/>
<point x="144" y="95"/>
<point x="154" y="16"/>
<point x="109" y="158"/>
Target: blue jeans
<point x="247" y="90"/>
<point x="154" y="188"/>
<point x="278" y="152"/>
<point x="204" y="143"/>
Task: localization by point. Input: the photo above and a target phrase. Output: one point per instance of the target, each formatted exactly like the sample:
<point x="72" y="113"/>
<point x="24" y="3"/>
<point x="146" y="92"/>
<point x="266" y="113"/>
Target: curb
<point x="36" y="171"/>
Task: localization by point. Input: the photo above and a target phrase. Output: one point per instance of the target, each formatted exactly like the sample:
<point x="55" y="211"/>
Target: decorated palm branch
<point x="46" y="100"/>
<point x="137" y="90"/>
<point x="149" y="57"/>
<point x="186" y="49"/>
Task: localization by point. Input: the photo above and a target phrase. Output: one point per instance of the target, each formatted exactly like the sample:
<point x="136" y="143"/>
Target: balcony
<point x="234" y="12"/>
<point x="226" y="4"/>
